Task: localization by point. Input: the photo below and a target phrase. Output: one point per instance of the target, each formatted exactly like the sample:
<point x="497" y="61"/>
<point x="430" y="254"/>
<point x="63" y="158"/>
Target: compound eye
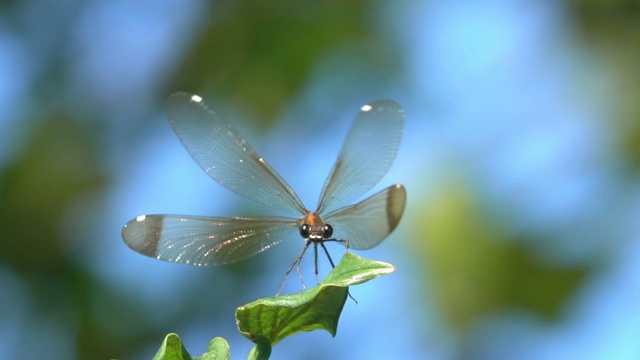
<point x="305" y="231"/>
<point x="327" y="231"/>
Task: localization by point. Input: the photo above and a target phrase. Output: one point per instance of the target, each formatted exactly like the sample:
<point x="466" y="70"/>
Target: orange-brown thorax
<point x="314" y="221"/>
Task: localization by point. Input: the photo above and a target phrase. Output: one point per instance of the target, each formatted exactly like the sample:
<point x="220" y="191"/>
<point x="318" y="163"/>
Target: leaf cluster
<point x="267" y="321"/>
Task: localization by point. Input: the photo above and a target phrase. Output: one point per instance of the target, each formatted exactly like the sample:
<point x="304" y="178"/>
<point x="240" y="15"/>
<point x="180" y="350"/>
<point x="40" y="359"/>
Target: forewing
<point x="199" y="240"/>
<point x="226" y="156"/>
<point x="365" y="224"/>
<point x="366" y="155"/>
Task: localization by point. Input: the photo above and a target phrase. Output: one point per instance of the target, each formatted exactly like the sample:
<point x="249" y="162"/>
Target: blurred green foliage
<point x="258" y="55"/>
<point x="476" y="269"/>
<point x="611" y="29"/>
<point x="56" y="166"/>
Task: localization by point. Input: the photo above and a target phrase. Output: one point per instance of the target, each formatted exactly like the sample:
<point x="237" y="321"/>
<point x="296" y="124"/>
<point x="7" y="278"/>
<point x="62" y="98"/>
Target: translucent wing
<point x="199" y="240"/>
<point x="365" y="224"/>
<point x="226" y="156"/>
<point x="366" y="155"/>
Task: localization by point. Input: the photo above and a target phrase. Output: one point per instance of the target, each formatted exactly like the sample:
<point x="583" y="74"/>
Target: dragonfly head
<point x="314" y="228"/>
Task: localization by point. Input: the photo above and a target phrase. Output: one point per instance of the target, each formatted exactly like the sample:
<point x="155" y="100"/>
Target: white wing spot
<point x="141" y="218"/>
<point x="366" y="108"/>
<point x="196" y="98"/>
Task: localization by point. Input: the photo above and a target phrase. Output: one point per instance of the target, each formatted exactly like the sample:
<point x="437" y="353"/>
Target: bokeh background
<point x="521" y="158"/>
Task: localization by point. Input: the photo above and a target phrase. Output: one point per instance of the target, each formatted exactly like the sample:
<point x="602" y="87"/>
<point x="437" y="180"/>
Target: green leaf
<point x="218" y="350"/>
<point x="269" y="320"/>
<point x="354" y="270"/>
<point x="172" y="349"/>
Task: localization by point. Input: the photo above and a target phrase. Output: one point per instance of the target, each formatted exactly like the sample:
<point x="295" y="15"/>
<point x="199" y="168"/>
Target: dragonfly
<point x="367" y="153"/>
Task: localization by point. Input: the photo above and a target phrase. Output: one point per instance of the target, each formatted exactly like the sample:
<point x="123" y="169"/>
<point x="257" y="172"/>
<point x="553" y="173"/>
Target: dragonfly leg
<point x="328" y="256"/>
<point x="345" y="242"/>
<point x="341" y="241"/>
<point x="295" y="263"/>
<point x="315" y="258"/>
